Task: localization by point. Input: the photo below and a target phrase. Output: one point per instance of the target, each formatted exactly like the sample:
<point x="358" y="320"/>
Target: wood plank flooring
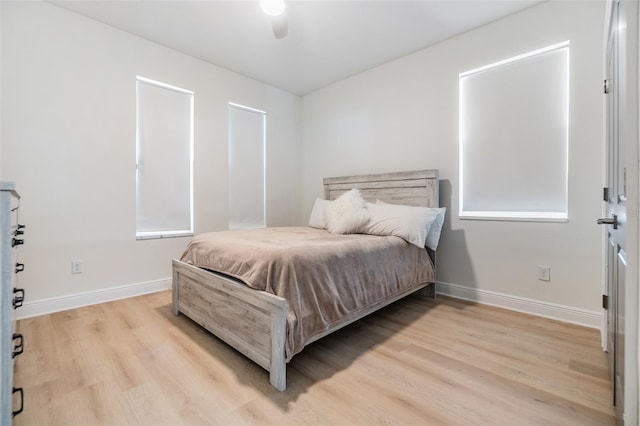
<point x="419" y="361"/>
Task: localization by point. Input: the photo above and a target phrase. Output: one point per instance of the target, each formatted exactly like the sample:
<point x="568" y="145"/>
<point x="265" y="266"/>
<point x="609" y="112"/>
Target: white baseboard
<point x="534" y="307"/>
<point x="563" y="313"/>
<point x="62" y="303"/>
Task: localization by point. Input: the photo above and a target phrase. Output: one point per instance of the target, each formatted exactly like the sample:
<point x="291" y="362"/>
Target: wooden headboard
<point x="416" y="188"/>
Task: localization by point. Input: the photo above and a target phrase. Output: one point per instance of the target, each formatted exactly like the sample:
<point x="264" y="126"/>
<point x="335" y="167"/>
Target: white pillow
<point x="433" y="235"/>
<point x="347" y="214"/>
<point x="433" y="238"/>
<point x="409" y="223"/>
<point x="316" y="220"/>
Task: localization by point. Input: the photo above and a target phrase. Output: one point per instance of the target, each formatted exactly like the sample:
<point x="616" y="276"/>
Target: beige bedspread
<point x="325" y="278"/>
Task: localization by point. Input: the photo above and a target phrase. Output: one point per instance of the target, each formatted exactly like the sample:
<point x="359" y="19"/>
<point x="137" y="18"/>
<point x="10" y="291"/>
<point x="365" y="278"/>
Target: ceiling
<point x="328" y="40"/>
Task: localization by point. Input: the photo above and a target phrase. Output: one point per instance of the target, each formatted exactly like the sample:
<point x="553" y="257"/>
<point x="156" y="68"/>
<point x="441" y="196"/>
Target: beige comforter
<point x="325" y="278"/>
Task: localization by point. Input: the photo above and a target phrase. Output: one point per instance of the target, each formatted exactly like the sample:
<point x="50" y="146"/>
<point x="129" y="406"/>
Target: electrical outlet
<point x="544" y="273"/>
<point x="76" y="267"/>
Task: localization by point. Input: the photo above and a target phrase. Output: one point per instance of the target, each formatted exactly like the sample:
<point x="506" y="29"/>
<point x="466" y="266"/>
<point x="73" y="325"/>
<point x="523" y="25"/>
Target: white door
<point x="621" y="196"/>
<point x="615" y="197"/>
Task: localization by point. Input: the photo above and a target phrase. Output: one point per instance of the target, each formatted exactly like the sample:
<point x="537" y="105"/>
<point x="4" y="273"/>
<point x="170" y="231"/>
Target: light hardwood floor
<point x="418" y="361"/>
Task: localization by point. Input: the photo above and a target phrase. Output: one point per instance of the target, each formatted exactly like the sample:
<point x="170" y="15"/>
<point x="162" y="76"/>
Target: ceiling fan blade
<point x="280" y="25"/>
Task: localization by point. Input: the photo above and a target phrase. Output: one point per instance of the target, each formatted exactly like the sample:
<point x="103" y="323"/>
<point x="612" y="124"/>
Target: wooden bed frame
<point x="254" y="322"/>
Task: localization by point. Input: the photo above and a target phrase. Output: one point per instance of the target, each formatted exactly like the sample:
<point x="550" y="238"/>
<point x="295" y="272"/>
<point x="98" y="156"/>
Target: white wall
<point x="404" y="115"/>
<point x="68" y="140"/>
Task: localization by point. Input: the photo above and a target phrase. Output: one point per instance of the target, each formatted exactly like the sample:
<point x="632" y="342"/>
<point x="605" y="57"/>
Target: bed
<point x="246" y="314"/>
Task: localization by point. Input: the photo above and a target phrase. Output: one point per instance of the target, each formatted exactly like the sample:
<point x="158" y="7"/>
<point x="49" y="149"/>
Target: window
<point x="164" y="160"/>
<point x="246" y="167"/>
<point x="514" y="137"/>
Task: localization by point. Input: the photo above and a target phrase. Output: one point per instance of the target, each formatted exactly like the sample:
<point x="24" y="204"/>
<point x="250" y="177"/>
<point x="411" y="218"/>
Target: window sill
<point x="160" y="235"/>
<point x="516" y="216"/>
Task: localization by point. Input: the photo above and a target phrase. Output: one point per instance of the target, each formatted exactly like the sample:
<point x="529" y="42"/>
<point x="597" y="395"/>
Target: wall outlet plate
<point x="544" y="273"/>
<point x="76" y="267"/>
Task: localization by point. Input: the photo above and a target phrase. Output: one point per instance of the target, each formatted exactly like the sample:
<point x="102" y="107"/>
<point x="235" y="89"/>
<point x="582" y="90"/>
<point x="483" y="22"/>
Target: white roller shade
<point x="246" y="167"/>
<point x="514" y="121"/>
<point x="164" y="160"/>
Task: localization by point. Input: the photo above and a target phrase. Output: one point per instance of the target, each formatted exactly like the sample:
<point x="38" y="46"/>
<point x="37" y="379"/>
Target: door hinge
<point x="605" y="86"/>
<point x="605" y="194"/>
<point x="605" y="301"/>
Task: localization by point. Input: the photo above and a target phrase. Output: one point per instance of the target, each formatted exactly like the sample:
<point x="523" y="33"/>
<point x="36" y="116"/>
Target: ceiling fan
<point x="276" y="10"/>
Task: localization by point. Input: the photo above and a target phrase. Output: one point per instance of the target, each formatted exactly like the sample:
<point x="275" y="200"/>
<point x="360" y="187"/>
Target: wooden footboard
<point x="251" y="321"/>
